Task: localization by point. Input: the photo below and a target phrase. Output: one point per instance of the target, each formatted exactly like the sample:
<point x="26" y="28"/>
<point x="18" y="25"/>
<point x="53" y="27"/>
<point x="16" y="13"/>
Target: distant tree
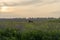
<point x="30" y="21"/>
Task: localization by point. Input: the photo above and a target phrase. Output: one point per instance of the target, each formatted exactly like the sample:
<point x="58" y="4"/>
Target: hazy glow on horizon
<point x="31" y="8"/>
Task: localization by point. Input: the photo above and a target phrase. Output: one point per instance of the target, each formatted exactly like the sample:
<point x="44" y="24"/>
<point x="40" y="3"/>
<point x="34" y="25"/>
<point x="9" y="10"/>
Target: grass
<point x="42" y="30"/>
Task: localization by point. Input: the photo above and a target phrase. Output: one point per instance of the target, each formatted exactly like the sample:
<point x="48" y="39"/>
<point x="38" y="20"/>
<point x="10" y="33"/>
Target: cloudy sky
<point x="29" y="8"/>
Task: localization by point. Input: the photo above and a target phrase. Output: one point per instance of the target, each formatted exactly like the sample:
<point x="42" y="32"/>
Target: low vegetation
<point x="48" y="29"/>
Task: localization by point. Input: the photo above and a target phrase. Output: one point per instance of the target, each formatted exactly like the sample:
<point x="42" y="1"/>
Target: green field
<point x="36" y="30"/>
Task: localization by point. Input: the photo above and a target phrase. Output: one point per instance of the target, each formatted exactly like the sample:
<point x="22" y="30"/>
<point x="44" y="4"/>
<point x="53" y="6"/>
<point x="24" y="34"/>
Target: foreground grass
<point x="43" y="30"/>
<point x="15" y="34"/>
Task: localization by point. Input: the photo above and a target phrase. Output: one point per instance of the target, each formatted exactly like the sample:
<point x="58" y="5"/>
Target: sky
<point x="29" y="8"/>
